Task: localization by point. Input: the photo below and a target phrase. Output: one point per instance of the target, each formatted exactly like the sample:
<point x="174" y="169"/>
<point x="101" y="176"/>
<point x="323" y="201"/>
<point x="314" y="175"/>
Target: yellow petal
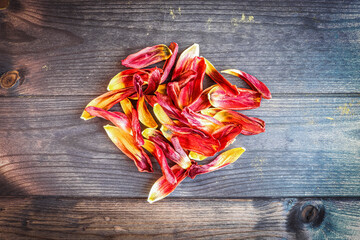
<point x="161" y="115"/>
<point x="126" y="106"/>
<point x="196" y="156"/>
<point x="145" y="116"/>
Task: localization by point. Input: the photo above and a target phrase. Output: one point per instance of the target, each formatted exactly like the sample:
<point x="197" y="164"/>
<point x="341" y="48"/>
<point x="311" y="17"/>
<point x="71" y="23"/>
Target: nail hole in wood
<point x="4" y="4"/>
<point x="9" y="79"/>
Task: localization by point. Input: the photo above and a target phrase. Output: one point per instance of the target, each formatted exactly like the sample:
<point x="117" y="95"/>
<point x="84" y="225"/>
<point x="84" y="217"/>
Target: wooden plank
<point x="74" y="47"/>
<point x="104" y="218"/>
<point x="310" y="148"/>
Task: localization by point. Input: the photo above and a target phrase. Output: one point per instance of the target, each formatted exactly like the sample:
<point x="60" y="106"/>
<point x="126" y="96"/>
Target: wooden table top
<point x="62" y="178"/>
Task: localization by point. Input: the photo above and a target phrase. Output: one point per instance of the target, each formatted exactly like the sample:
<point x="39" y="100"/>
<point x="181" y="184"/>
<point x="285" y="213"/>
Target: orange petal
<point x="126" y="143"/>
<point x="246" y="99"/>
<point x="201" y="122"/>
<point x="125" y="79"/>
<point x="145" y="116"/>
<point x="127" y="107"/>
<point x="220" y="161"/>
<point x="107" y="100"/>
<point x="253" y="82"/>
<point x="226" y="135"/>
<point x="219" y="79"/>
<point x="163" y="188"/>
<point x="158" y="154"/>
<point x="161" y="115"/>
<point x="147" y="56"/>
<point x="210" y="111"/>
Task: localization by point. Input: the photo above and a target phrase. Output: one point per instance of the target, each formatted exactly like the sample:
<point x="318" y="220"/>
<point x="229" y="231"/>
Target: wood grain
<point x="74" y="47"/>
<point x="112" y="218"/>
<point x="310" y="148"/>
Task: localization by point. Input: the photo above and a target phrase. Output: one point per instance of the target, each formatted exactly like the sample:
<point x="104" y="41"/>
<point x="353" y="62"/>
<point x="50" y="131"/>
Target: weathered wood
<point x="112" y="218"/>
<point x="310" y="148"/>
<point x="74" y="47"/>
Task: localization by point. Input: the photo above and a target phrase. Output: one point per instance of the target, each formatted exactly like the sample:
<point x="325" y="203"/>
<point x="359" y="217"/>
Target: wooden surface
<point x="62" y="178"/>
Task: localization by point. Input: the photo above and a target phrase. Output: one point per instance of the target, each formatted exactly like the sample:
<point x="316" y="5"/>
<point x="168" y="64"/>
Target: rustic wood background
<point x="61" y="178"/>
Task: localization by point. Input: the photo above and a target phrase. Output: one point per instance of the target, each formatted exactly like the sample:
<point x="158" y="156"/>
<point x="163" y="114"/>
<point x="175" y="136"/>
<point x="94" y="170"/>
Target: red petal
<point x="219" y="79"/>
<point x="170" y="61"/>
<point x="125" y="78"/>
<point x="220" y="161"/>
<point x="246" y="99"/>
<point x="173" y="91"/>
<point x="147" y="56"/>
<point x="136" y="128"/>
<point x="201" y="122"/>
<point x="107" y="100"/>
<point x="184" y="62"/>
<point x="226" y="135"/>
<point x="158" y="154"/>
<point x="126" y="143"/>
<point x="163" y="188"/>
<point x="253" y="82"/>
<point x="185" y="77"/>
<point x="202" y="102"/>
<point x="153" y="82"/>
<point x="118" y="119"/>
<point x="250" y="125"/>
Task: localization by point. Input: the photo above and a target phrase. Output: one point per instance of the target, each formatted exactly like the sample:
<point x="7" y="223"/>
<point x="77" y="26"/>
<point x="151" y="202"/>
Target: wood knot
<point x="9" y="79"/>
<point x="309" y="213"/>
<point x="4" y="4"/>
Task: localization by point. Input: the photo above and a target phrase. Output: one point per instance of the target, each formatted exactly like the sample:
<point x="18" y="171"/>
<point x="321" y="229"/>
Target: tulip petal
<point x="250" y="125"/>
<point x="253" y="82"/>
<point x="135" y="124"/>
<point x="210" y="111"/>
<point x="126" y="143"/>
<point x="220" y="161"/>
<point x="185" y="77"/>
<point x="145" y="116"/>
<point x="153" y="82"/>
<point x="107" y="100"/>
<point x="246" y="99"/>
<point x="219" y="79"/>
<point x="201" y="122"/>
<point x="170" y="61"/>
<point x="173" y="91"/>
<point x="202" y="102"/>
<point x="170" y="153"/>
<point x="118" y="119"/>
<point x="125" y="79"/>
<point x="147" y="56"/>
<point x="158" y="154"/>
<point x="193" y="89"/>
<point x="127" y="107"/>
<point x="226" y="135"/>
<point x="197" y="156"/>
<point x="169" y="108"/>
<point x="163" y="188"/>
<point x="161" y="115"/>
<point x="185" y="60"/>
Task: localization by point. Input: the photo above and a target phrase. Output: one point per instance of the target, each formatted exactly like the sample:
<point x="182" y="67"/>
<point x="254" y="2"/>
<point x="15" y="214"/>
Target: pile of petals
<point x="188" y="124"/>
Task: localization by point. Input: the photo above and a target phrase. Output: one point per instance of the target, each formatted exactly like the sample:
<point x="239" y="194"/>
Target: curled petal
<point x="117" y="118"/>
<point x="250" y="125"/>
<point x="246" y="99"/>
<point x="126" y="143"/>
<point x="176" y="144"/>
<point x="136" y="128"/>
<point x="158" y="154"/>
<point x="196" y="156"/>
<point x="194" y="140"/>
<point x="219" y="79"/>
<point x="151" y="100"/>
<point x="163" y="188"/>
<point x="220" y="161"/>
<point x="170" y="109"/>
<point x="253" y="82"/>
<point x="226" y="135"/>
<point x="145" y="116"/>
<point x="202" y="102"/>
<point x="185" y="77"/>
<point x="173" y="91"/>
<point x="169" y="151"/>
<point x="161" y="89"/>
<point x="193" y="89"/>
<point x="147" y="56"/>
<point x="138" y="82"/>
<point x="184" y="62"/>
<point x="170" y="61"/>
<point x="125" y="79"/>
<point x="107" y="100"/>
<point x="153" y="82"/>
